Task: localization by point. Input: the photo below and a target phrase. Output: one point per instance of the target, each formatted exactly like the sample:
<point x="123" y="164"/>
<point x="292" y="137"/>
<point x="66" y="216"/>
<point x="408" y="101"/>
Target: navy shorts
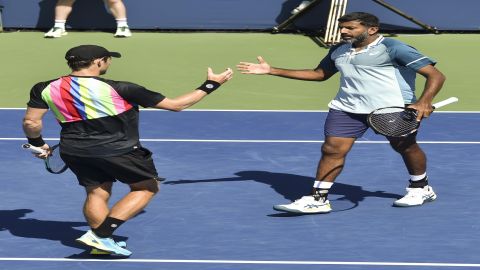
<point x="345" y="125"/>
<point x="129" y="168"/>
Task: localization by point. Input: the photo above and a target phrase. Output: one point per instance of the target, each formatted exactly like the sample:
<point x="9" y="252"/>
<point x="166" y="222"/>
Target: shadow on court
<point x="292" y="187"/>
<point x="16" y="222"/>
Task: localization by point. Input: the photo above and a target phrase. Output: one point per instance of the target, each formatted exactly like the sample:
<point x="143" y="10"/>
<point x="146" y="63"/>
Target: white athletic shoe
<point x="96" y="251"/>
<point x="305" y="205"/>
<point x="56" y="32"/>
<point x="105" y="244"/>
<point x="123" y="32"/>
<point x="416" y="196"/>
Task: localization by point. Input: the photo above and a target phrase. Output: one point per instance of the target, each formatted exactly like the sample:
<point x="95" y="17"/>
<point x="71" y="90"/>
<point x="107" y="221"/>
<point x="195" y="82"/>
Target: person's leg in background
<point x="119" y="12"/>
<point x="63" y="9"/>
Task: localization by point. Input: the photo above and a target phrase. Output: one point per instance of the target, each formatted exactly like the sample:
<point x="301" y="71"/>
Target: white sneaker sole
<point x="431" y="199"/>
<point x="296" y="211"/>
<point x="122" y="36"/>
<point x="53" y="36"/>
<point x="96" y="251"/>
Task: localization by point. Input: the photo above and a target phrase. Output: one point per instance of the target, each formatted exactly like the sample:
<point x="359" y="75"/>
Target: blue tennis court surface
<point x="225" y="170"/>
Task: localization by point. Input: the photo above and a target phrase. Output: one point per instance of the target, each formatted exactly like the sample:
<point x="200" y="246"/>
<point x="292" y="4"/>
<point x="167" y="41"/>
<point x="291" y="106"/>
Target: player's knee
<point x="333" y="150"/>
<point x="149" y="186"/>
<point x="100" y="191"/>
<point x="153" y="187"/>
<point x="403" y="146"/>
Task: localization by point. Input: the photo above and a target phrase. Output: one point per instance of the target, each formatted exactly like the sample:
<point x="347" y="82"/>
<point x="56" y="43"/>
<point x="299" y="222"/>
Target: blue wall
<point x="236" y="14"/>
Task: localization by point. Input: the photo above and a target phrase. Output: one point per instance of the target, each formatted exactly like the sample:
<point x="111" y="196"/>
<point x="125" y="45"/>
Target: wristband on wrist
<point x="209" y="86"/>
<point x="36" y="141"/>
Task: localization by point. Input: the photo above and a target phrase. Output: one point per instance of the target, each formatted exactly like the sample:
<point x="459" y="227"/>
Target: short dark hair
<point x="77" y="65"/>
<point x="366" y="19"/>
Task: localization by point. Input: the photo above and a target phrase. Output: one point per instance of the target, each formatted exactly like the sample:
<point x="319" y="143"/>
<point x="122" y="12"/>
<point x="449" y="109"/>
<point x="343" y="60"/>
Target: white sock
<point x="122" y="22"/>
<point x="322" y="184"/>
<point x="60" y="24"/>
<point x="418" y="177"/>
<point x="321" y="190"/>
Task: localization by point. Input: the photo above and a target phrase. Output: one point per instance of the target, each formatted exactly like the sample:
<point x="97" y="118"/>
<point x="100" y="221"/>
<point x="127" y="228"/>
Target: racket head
<point x="54" y="163"/>
<point x="394" y="121"/>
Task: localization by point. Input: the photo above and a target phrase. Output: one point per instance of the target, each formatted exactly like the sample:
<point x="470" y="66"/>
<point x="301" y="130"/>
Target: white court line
<point x="245" y="262"/>
<point x="259" y="141"/>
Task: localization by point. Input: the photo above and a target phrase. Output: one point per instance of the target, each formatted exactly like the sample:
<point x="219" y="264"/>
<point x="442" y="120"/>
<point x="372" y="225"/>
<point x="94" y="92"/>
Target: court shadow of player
<point x="293" y="186"/>
<point x="65" y="232"/>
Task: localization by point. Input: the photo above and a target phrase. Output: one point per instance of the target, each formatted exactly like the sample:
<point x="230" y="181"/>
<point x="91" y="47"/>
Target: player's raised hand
<point x="251" y="68"/>
<point x="220" y="78"/>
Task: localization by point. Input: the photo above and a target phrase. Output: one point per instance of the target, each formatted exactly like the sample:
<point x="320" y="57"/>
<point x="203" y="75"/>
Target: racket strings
<point x="394" y="123"/>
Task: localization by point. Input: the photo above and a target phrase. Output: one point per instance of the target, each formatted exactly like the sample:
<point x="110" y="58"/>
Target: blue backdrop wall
<point x="236" y="14"/>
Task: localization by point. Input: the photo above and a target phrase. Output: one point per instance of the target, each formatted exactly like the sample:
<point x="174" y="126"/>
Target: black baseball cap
<point x="89" y="52"/>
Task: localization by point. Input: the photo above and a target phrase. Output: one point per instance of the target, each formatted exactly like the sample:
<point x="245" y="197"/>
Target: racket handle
<point x="444" y="102"/>
<point x="33" y="149"/>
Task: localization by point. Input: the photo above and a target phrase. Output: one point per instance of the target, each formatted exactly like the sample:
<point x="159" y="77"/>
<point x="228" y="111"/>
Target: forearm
<point x="187" y="100"/>
<point x="213" y="82"/>
<point x="32" y="125"/>
<point x="182" y="102"/>
<point x="32" y="128"/>
<point x="304" y="74"/>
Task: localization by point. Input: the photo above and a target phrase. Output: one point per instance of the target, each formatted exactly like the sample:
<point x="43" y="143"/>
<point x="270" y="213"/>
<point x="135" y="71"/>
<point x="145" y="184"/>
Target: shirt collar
<point x="377" y="41"/>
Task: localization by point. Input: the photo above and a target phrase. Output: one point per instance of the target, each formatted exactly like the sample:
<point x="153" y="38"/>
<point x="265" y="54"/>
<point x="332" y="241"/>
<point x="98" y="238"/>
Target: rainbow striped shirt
<point x="99" y="117"/>
<point x="80" y="98"/>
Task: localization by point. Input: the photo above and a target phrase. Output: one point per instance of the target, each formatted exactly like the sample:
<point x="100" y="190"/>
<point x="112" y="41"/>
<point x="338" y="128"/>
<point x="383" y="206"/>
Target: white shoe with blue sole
<point x="105" y="244"/>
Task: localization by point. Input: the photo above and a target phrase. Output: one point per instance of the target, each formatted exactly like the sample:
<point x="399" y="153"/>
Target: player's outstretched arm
<point x="262" y="67"/>
<point x="213" y="82"/>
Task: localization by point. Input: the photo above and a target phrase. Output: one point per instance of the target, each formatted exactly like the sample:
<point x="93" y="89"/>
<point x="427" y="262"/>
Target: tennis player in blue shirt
<point x="375" y="72"/>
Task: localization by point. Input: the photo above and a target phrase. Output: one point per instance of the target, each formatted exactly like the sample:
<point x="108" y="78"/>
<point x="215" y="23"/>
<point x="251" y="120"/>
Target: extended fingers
<point x="244" y="65"/>
<point x="228" y="74"/>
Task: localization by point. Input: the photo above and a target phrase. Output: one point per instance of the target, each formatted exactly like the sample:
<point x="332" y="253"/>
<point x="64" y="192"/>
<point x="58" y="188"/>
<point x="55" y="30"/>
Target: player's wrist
<point x="209" y="86"/>
<point x="272" y="71"/>
<point x="38" y="142"/>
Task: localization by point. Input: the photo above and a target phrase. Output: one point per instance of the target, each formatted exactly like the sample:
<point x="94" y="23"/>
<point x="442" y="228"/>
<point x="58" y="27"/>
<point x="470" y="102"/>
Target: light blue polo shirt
<point x="381" y="75"/>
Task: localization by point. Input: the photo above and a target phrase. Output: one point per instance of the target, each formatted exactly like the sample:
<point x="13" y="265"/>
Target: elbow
<point x="177" y="109"/>
<point x="171" y="105"/>
<point x="31" y="124"/>
<point x="440" y="77"/>
<point x="171" y="108"/>
<point x="443" y="78"/>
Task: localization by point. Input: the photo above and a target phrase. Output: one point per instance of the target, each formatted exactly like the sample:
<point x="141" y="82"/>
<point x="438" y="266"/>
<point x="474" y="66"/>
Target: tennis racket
<point x="53" y="162"/>
<point x="399" y="121"/>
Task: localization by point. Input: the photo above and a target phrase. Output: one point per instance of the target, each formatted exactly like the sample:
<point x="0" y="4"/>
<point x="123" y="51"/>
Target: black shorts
<point x="129" y="168"/>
